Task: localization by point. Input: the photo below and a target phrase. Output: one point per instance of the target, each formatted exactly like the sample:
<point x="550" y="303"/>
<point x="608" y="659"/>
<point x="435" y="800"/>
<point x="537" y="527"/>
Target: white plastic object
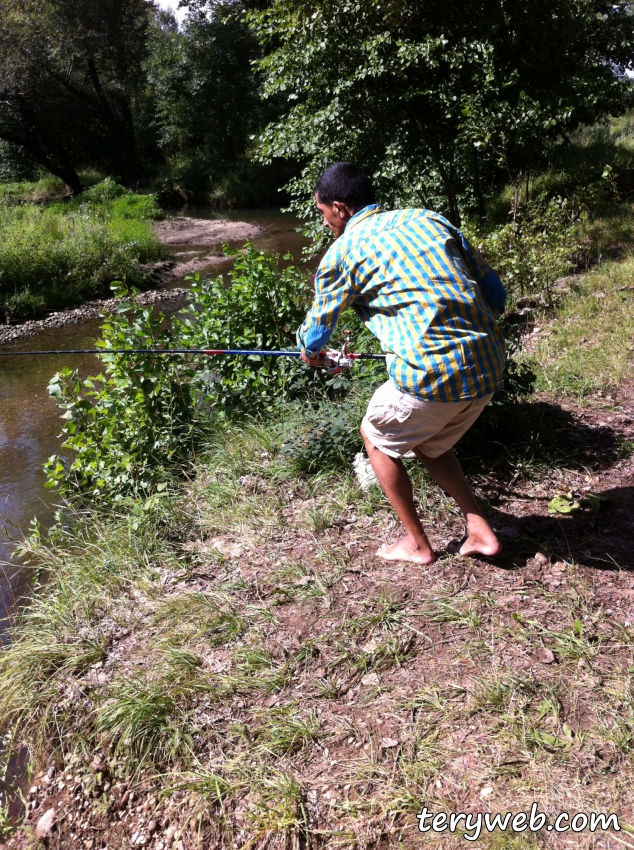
<point x="364" y="472"/>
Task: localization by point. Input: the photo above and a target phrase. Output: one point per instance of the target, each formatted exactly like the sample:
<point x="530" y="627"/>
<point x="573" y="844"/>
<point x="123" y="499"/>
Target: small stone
<point x="370" y="679"/>
<point x="45" y="825"/>
<point x="33" y="790"/>
<point x="388" y="743"/>
<point x="544" y="655"/>
<point x="370" y="647"/>
<point x="540" y="558"/>
<point x="486" y="791"/>
<point x="151" y="827"/>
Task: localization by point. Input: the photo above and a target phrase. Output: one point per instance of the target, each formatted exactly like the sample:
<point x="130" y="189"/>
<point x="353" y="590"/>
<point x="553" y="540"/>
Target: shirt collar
<point x="371" y="209"/>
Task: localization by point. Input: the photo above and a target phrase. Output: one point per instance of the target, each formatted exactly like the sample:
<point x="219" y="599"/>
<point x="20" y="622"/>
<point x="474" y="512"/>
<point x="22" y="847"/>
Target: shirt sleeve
<point x="491" y="286"/>
<point x="334" y="292"/>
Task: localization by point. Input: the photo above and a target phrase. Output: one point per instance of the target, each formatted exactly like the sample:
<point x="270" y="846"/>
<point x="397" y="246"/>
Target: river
<point x="29" y="418"/>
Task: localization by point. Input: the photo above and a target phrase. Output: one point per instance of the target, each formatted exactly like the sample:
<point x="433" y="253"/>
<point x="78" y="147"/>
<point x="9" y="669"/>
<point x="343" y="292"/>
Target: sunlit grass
<point x="588" y="346"/>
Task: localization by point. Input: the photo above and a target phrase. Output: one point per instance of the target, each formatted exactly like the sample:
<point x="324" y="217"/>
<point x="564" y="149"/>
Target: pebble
<point x="45" y="824"/>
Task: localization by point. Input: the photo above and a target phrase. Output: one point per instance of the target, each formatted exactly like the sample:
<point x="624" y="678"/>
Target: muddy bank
<point x="183" y="230"/>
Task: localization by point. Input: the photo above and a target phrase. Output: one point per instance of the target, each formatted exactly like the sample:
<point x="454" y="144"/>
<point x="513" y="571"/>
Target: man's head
<point x="341" y="191"/>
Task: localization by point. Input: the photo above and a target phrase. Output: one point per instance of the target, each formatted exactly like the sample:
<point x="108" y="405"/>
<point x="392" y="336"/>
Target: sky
<point x="173" y="5"/>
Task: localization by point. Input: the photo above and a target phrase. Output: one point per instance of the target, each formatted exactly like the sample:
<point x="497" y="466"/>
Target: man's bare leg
<point x="394" y="480"/>
<point x="447" y="472"/>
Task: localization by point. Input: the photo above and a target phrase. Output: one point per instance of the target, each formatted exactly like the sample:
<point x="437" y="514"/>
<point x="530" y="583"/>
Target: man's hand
<point x="313" y="362"/>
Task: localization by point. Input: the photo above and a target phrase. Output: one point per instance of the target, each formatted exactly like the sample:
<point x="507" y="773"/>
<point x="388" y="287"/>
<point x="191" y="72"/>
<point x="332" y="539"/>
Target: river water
<point x="29" y="418"/>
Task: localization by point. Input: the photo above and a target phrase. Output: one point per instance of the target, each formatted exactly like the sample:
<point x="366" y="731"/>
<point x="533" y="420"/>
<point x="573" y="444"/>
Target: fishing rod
<point x="333" y="360"/>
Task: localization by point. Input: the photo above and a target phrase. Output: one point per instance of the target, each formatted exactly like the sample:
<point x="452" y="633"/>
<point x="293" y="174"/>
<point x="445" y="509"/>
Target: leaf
<point x="595" y="502"/>
<point x="562" y="505"/>
<point x="578" y="627"/>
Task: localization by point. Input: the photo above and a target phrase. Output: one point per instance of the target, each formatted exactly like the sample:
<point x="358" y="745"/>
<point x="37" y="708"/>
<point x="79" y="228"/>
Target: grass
<point x="57" y="254"/>
<point x="285" y="689"/>
<point x="587" y="349"/>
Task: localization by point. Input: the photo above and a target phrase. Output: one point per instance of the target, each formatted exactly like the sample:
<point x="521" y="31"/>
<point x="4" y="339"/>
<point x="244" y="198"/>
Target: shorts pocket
<point x="388" y="419"/>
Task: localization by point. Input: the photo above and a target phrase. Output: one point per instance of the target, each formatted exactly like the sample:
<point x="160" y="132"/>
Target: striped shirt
<point x="425" y="292"/>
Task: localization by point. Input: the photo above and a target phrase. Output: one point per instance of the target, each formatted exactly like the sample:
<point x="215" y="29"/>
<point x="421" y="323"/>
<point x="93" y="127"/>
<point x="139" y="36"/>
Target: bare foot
<point x="407" y="550"/>
<point x="481" y="539"/>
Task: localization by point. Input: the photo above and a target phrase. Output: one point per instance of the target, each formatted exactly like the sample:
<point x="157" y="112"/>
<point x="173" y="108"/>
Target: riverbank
<point x="57" y="255"/>
<point x="178" y="231"/>
<point x="229" y="663"/>
<point x="247" y="671"/>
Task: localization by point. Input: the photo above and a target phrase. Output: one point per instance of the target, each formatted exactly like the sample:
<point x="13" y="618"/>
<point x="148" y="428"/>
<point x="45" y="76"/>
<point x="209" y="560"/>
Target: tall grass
<point x="56" y="255"/>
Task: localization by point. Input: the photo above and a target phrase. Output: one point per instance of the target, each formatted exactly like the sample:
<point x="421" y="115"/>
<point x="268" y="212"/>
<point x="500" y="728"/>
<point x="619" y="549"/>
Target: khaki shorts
<point x="397" y="423"/>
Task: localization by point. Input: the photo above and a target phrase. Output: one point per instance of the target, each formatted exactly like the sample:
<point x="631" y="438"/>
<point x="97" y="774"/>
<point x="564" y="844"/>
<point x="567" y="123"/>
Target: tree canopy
<point x="69" y="73"/>
<point x="434" y="98"/>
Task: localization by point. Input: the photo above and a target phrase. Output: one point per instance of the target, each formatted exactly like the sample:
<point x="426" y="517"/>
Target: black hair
<point x="346" y="183"/>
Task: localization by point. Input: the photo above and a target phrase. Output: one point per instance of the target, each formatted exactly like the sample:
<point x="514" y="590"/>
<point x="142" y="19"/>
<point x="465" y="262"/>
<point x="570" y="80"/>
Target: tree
<point x="434" y="98"/>
<point x="69" y="74"/>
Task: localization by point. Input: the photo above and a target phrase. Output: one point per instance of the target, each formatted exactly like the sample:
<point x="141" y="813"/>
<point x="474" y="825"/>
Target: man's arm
<point x="334" y="292"/>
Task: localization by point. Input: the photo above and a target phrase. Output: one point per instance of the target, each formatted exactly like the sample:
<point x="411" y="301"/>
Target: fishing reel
<point x="335" y="361"/>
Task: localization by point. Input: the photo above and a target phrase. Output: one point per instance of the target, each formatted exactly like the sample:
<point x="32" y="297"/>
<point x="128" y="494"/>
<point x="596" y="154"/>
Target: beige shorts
<point x="397" y="423"/>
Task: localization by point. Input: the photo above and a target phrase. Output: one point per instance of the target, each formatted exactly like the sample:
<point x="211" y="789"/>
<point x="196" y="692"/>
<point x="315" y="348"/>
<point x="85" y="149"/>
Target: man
<point x="432" y="301"/>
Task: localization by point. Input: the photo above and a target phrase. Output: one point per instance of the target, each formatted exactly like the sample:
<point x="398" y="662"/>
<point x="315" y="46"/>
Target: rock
<point x="370" y="679"/>
<point x="486" y="792"/>
<point x="540" y="558"/>
<point x="45" y="825"/>
<point x="544" y="655"/>
<point x="388" y="743"/>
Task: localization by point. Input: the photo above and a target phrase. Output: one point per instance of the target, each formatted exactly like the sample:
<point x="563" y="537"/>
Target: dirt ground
<point x="182" y="230"/>
<point x="469" y="686"/>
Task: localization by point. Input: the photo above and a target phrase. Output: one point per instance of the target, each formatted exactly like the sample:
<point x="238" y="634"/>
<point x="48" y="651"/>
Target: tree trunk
<point x="120" y="123"/>
<point x="477" y="188"/>
<point x="56" y="160"/>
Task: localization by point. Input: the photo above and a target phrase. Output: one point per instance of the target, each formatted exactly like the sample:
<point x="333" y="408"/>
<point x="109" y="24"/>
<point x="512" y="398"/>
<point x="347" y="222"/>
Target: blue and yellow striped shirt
<point x="429" y="297"/>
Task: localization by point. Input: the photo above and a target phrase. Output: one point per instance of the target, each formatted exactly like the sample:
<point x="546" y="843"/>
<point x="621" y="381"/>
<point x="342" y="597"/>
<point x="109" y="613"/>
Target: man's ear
<point x="343" y="210"/>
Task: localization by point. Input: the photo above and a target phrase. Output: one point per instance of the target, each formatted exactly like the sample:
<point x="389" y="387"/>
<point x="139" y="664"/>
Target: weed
<point x="142" y="717"/>
<point x="212" y="616"/>
<point x="56" y="255"/>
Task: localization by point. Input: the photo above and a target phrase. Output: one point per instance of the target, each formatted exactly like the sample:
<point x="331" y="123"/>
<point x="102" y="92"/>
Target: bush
<point x="57" y="255"/>
<point x="540" y="245"/>
<point x="261" y="309"/>
<point x="140" y="420"/>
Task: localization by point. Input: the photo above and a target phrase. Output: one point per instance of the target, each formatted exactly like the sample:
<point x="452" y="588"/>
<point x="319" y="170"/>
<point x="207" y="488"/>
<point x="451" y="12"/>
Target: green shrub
<point x="59" y="254"/>
<point x="261" y="309"/>
<point x="540" y="245"/>
<point x="130" y="426"/>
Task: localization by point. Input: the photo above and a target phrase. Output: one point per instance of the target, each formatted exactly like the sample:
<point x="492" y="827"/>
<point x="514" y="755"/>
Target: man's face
<point x="336" y="215"/>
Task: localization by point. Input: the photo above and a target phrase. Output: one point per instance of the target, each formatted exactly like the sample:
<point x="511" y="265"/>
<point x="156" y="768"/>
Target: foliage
<point x="205" y="94"/>
<point x="261" y="308"/>
<point x="534" y="249"/>
<point x="57" y="255"/>
<point x="436" y="100"/>
<point x="69" y="76"/>
<point x="127" y="426"/>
